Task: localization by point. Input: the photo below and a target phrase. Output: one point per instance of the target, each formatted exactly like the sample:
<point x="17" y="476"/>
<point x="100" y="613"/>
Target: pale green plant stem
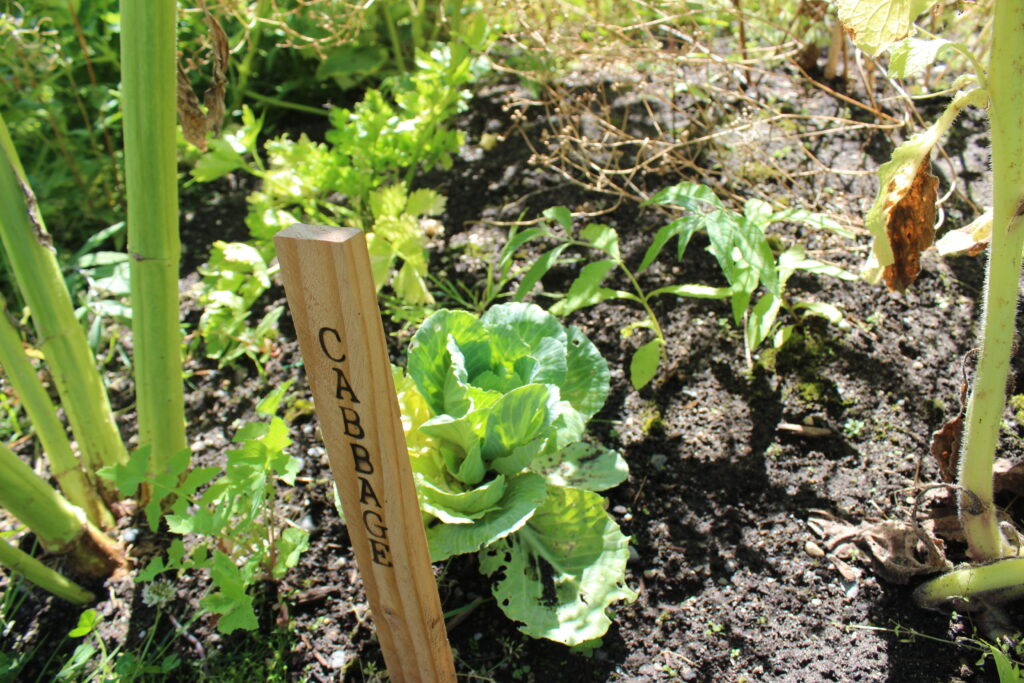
<point x="997" y="581"/>
<point x="64" y="465"/>
<point x="148" y="94"/>
<point x="988" y="395"/>
<point x="38" y="573"/>
<point x="251" y="49"/>
<point x="60" y="527"/>
<point x="61" y="337"/>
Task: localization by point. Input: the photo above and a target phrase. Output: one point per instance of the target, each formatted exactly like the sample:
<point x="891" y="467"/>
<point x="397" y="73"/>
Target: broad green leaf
<point x="911" y="56"/>
<point x="586" y="289"/>
<point x="644" y="364"/>
<point x="517" y="418"/>
<point x="583" y="466"/>
<point x="561" y="572"/>
<point x="516" y="329"/>
<point x="560" y="215"/>
<point x="220" y="160"/>
<point x="410" y="286"/>
<point x="517" y="239"/>
<point x="269" y="404"/>
<point x="782" y="335"/>
<point x="546" y="362"/>
<point x="87" y="621"/>
<point x="429" y="362"/>
<point x="587" y="375"/>
<point x="876" y="24"/>
<point x="523" y="494"/>
<point x="461" y="507"/>
<point x="602" y="237"/>
<point x="382" y="259"/>
<point x="519" y="459"/>
<point x="818" y="221"/>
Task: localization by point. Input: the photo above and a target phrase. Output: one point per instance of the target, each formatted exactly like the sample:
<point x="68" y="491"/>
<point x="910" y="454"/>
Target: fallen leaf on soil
<point x="898" y="552"/>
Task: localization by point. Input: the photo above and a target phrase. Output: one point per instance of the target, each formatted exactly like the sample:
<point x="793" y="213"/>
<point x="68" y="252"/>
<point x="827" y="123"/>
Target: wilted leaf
<point x="972" y="239"/>
<point x="193" y="122"/>
<point x="213" y="98"/>
<point x="911" y="213"/>
<point x="897" y="549"/>
<point x="905" y="173"/>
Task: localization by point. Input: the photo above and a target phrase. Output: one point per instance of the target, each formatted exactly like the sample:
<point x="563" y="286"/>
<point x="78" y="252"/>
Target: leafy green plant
<point x="496" y="409"/>
<point x="739" y="243"/>
<point x="229" y="519"/>
<point x="750" y="259"/>
<point x="234" y="277"/>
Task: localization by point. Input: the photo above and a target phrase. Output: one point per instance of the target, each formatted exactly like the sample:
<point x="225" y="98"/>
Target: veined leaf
<point x="586" y="289"/>
<point x="517" y="418"/>
<point x="429" y="361"/>
<point x="911" y="56"/>
<point x="692" y="196"/>
<point x="461" y="507"/>
<point x="876" y="24"/>
<point x="587" y="376"/>
<point x="563" y="570"/>
<point x="583" y="466"/>
<point x="602" y="237"/>
<point x="644" y="364"/>
<point x="523" y="495"/>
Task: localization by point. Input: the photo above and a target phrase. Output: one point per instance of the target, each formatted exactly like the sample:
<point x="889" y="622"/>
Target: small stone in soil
<point x="337" y="659"/>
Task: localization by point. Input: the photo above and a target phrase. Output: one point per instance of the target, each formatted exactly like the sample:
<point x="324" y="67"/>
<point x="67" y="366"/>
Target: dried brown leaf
<point x="193" y="122"/>
<point x="213" y="98"/>
<point x="910" y="224"/>
<point x="945" y="447"/>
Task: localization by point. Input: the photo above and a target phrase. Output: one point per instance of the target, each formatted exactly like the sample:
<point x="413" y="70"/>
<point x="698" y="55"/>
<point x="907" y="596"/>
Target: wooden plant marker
<point x="333" y="302"/>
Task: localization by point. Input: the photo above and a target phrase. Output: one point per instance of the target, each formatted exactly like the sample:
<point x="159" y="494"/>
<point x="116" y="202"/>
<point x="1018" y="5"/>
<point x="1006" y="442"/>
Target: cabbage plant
<point x="495" y="410"/>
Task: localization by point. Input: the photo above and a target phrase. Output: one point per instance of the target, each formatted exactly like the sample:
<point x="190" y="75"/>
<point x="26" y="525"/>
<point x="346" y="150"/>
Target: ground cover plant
<point x="749" y="477"/>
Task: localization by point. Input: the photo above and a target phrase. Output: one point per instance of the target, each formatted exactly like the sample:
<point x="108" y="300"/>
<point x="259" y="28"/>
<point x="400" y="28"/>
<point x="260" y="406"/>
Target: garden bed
<point x="729" y="467"/>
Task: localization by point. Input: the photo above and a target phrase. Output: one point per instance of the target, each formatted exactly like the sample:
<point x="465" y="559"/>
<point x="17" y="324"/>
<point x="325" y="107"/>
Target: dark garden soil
<point x="725" y="478"/>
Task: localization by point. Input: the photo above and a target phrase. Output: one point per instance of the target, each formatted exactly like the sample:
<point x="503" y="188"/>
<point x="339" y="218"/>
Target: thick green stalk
<point x="38" y="573"/>
<point x="988" y="395"/>
<point x="61" y="337"/>
<point x="64" y="465"/>
<point x="59" y="526"/>
<point x="148" y="95"/>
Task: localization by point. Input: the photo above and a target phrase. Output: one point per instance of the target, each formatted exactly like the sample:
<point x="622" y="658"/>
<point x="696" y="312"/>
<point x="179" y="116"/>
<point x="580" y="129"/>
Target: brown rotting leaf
<point x="910" y="225"/>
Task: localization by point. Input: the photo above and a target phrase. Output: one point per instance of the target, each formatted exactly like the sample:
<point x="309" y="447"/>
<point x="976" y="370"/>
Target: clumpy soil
<point x="725" y="476"/>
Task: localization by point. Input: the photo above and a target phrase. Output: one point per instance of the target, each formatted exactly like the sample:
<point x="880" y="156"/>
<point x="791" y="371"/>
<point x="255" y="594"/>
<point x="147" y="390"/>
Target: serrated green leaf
<point x="911" y="56"/>
<point x="644" y="364"/>
<point x="129" y="476"/>
<point x="876" y="24"/>
<point x="693" y="196"/>
<point x="289" y="546"/>
<point x="562" y="571"/>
